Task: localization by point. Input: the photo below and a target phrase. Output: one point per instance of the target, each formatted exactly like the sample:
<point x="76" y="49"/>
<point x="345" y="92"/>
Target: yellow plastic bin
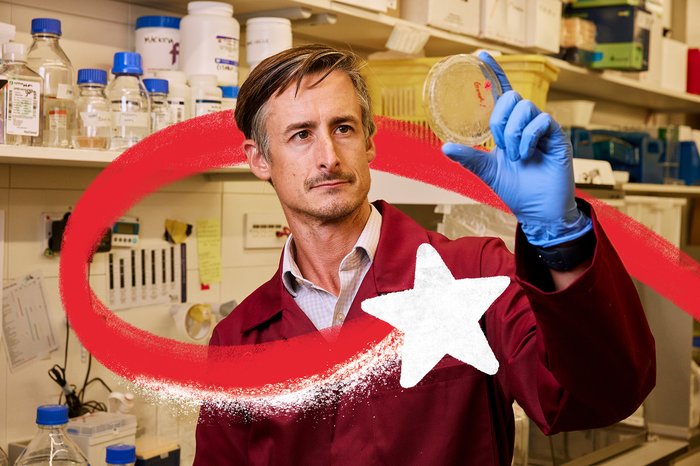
<point x="396" y="89"/>
<point x="530" y="76"/>
<point x="396" y="86"/>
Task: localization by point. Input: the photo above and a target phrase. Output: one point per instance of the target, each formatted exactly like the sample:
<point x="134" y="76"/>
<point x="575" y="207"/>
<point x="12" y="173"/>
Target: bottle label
<point x="64" y="91"/>
<point x="177" y="110"/>
<point x="227" y="59"/>
<point x="96" y="119"/>
<point x="204" y="106"/>
<point x="133" y="119"/>
<point x="161" y="119"/>
<point x="57" y="119"/>
<point x="23" y="107"/>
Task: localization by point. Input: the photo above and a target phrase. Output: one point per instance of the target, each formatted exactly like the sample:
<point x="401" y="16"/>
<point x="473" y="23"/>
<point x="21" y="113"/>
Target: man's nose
<point x="326" y="153"/>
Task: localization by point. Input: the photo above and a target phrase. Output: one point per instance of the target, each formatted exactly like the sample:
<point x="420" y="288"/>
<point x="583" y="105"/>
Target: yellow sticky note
<point x="209" y="250"/>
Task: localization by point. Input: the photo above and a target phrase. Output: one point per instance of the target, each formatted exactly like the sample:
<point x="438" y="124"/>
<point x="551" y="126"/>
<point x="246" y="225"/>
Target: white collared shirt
<point x="323" y="308"/>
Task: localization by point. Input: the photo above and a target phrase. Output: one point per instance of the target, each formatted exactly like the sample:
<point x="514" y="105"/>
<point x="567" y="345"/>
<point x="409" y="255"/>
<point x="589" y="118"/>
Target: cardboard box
<point x="516" y="22"/>
<point x="460" y="16"/>
<point x="494" y="23"/>
<point x="674" y="73"/>
<point x="621" y="56"/>
<point x="504" y="21"/>
<point x="543" y="19"/>
<point x="622" y="34"/>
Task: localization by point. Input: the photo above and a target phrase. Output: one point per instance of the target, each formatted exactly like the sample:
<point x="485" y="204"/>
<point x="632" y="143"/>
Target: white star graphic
<point x="439" y="316"/>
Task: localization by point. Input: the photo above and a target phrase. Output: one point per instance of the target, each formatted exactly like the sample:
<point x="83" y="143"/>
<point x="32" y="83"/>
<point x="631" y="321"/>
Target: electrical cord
<point x="76" y="404"/>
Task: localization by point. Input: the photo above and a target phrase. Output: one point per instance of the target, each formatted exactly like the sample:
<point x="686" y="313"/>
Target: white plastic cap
<point x="14" y="51"/>
<point x="210" y="8"/>
<point x="203" y="80"/>
<point x="173" y="77"/>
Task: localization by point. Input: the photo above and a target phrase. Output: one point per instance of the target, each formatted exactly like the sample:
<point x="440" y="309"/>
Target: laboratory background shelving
<point x="369" y="31"/>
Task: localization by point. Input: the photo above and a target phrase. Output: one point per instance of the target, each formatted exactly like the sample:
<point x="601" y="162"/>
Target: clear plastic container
<point x="206" y="96"/>
<point x="20" y="98"/>
<point x="209" y="44"/>
<point x="158" y="92"/>
<point x="46" y="57"/>
<point x="93" y="128"/>
<point x="131" y="109"/>
<point x="51" y="445"/>
<point x="122" y="455"/>
<point x="178" y="94"/>
<point x="459" y="95"/>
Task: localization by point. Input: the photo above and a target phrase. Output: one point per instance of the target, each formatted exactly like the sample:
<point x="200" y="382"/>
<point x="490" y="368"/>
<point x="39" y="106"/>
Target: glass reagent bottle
<point x="93" y="128"/>
<point x="51" y="445"/>
<point x="131" y="110"/>
<point x="46" y="57"/>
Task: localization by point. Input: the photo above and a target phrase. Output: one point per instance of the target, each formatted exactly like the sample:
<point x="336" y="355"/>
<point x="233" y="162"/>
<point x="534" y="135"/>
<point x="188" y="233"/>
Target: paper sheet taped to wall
<point x="27" y="331"/>
<point x="209" y="250"/>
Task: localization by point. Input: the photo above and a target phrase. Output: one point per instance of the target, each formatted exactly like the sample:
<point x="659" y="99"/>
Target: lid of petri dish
<point x="458" y="96"/>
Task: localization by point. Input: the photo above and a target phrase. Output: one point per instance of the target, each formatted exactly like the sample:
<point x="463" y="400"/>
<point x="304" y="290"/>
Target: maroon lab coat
<point x="578" y="358"/>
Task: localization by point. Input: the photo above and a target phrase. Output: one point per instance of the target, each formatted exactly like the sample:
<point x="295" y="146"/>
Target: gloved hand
<point x="530" y="169"/>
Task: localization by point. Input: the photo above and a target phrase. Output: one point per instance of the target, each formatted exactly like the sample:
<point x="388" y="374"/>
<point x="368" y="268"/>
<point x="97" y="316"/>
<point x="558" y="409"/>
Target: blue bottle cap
<point x="48" y="25"/>
<point x="229" y="92"/>
<point x="127" y="63"/>
<point x="92" y="75"/>
<point x="121" y="454"/>
<point x="170" y="22"/>
<point x="52" y="415"/>
<point x="156" y="85"/>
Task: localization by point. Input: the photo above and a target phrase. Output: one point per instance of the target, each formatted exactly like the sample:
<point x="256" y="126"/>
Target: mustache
<point x="326" y="177"/>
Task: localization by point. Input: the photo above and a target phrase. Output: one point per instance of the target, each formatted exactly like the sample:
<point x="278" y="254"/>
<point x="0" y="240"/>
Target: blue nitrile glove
<point x="530" y="169"/>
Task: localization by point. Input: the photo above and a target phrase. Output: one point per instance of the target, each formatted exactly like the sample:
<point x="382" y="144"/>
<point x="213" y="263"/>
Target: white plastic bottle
<point x="229" y="97"/>
<point x="121" y="454"/>
<point x="93" y="128"/>
<point x="131" y="110"/>
<point x="210" y="41"/>
<point x="206" y="96"/>
<point x="178" y="95"/>
<point x="158" y="93"/>
<point x="20" y="98"/>
<point x="265" y="37"/>
<point x="51" y="445"/>
<point x="158" y="43"/>
<point x="46" y="57"/>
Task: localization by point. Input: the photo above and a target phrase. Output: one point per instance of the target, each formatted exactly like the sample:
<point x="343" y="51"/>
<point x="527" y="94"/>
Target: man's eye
<point x="302" y="134"/>
<point x="344" y="129"/>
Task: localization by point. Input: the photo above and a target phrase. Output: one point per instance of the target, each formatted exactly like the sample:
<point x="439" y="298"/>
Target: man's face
<point x="318" y="153"/>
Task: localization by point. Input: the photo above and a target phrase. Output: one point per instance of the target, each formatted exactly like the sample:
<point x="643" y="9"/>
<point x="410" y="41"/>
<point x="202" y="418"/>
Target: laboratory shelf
<point x="368" y="30"/>
<point x="50" y="156"/>
<point x="27" y="155"/>
<point x="675" y="189"/>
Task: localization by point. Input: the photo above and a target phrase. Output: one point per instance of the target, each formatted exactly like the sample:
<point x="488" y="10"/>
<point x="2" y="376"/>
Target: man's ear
<point x="371" y="152"/>
<point x="257" y="163"/>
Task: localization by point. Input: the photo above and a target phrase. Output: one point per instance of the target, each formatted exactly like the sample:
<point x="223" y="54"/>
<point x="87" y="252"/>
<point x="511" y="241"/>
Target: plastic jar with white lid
<point x="158" y="42"/>
<point x="178" y="94"/>
<point x="206" y="95"/>
<point x="229" y="97"/>
<point x="210" y="41"/>
<point x="266" y="36"/>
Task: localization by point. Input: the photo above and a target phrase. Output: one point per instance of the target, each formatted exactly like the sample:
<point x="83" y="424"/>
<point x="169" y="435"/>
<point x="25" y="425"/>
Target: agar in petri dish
<point x="459" y="94"/>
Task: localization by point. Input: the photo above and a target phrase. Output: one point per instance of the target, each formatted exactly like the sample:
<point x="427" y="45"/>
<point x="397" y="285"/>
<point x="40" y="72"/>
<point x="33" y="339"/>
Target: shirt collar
<point x="367" y="242"/>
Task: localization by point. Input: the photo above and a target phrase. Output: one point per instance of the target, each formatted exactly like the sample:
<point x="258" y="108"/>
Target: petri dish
<point x="459" y="94"/>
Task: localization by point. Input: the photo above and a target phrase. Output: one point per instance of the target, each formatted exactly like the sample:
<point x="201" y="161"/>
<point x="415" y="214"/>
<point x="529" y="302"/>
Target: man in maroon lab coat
<point x="569" y="332"/>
